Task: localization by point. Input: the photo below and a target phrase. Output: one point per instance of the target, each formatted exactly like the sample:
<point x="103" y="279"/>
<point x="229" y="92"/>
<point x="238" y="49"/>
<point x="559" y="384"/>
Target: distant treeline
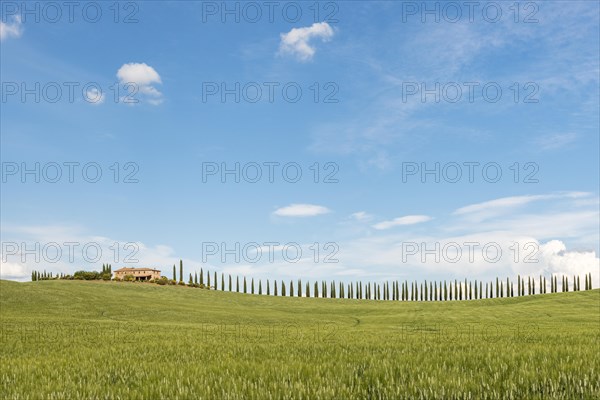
<point x="105" y="275"/>
<point x="395" y="290"/>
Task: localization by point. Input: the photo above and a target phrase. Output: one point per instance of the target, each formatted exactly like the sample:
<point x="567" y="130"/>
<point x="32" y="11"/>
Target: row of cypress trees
<point x="43" y="275"/>
<point x="403" y="291"/>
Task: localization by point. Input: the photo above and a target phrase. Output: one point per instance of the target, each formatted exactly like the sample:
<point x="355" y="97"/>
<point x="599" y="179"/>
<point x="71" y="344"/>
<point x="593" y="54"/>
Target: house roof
<point x="126" y="269"/>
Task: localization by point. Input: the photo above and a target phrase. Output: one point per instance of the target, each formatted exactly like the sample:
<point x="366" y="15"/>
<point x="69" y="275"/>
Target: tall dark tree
<point x="252" y="286"/>
<point x="195" y="278"/>
<point x="201" y="276"/>
<point x="174" y="273"/>
<point x="245" y="286"/>
<point x="316" y="290"/>
<point x="268" y="288"/>
<point x="215" y="279"/>
<point x="545" y="287"/>
<point x="291" y="289"/>
<point x="230" y="283"/>
<point x="222" y="281"/>
<point x="299" y="288"/>
<point x="283" y="288"/>
<point x="307" y="290"/>
<point x="237" y="284"/>
<point x="275" y="288"/>
<point x="191" y="281"/>
<point x="208" y="279"/>
<point x="260" y="287"/>
<point x="180" y="270"/>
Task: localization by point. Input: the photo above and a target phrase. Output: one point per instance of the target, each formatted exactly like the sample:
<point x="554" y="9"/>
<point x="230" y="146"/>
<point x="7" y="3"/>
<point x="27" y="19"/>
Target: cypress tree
<point x="191" y="281"/>
<point x="237" y="284"/>
<point x="275" y="288"/>
<point x="425" y="290"/>
<point x="260" y="287"/>
<point x="230" y="284"/>
<point x="545" y="287"/>
<point x="291" y="289"/>
<point x="316" y="290"/>
<point x="349" y="291"/>
<point x="445" y="292"/>
<point x="180" y="270"/>
<point x="222" y="281"/>
<point x="174" y="274"/>
<point x="586" y="283"/>
<point x="283" y="288"/>
<point x="268" y="289"/>
<point x="324" y="289"/>
<point x="578" y="284"/>
<point x="519" y="284"/>
<point x="208" y="279"/>
<point x="215" y="280"/>
<point x="245" y="285"/>
<point x="307" y="290"/>
<point x="195" y="278"/>
<point x="497" y="287"/>
<point x="299" y="288"/>
<point x="201" y="276"/>
<point x="252" y="286"/>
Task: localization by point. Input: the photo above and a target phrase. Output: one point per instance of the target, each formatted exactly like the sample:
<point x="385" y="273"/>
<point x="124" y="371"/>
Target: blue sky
<point x="369" y="123"/>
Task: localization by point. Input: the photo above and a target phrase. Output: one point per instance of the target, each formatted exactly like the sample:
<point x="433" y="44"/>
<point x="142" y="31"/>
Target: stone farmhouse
<point x="139" y="274"/>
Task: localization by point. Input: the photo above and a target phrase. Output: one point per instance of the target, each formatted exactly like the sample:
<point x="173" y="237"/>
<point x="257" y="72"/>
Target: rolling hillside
<point x="76" y="339"/>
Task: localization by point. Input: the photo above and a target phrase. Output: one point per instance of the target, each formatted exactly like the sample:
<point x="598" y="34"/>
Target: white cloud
<point x="14" y="29"/>
<point x="144" y="77"/>
<point x="301" y="210"/>
<point x="558" y="260"/>
<point x="94" y="96"/>
<point x="13" y="271"/>
<point x="296" y="41"/>
<point x="406" y="220"/>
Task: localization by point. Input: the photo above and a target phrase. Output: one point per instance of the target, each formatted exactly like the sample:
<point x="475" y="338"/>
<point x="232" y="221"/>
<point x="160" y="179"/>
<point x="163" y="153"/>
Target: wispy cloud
<point x="555" y="141"/>
<point x="406" y="220"/>
<point x="301" y="210"/>
<point x="13" y="29"/>
<point x="491" y="208"/>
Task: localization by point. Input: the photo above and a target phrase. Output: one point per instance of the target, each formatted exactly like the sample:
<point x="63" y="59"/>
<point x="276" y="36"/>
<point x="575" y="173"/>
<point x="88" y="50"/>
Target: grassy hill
<point x="77" y="339"/>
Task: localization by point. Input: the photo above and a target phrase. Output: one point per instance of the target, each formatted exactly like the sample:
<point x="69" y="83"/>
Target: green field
<point x="105" y="340"/>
